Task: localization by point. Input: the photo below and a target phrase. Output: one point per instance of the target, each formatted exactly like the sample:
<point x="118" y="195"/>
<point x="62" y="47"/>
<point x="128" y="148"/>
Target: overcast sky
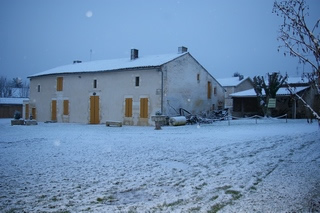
<point x="225" y="36"/>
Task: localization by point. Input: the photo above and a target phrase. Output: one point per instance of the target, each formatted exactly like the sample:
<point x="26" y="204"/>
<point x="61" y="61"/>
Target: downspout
<point x="160" y="70"/>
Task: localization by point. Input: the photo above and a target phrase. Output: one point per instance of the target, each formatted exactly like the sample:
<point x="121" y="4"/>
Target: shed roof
<point x="13" y="101"/>
<point x="252" y="93"/>
<point x="112" y="64"/>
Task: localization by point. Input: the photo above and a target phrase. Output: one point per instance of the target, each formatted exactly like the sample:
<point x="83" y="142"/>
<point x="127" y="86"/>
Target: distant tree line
<point x="13" y="88"/>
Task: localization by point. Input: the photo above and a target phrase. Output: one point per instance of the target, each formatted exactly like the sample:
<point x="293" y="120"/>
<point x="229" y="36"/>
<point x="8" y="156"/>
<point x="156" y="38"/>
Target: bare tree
<point x="271" y="87"/>
<point x="299" y="39"/>
<point x="25" y="89"/>
<point x="16" y="83"/>
<point x="7" y="88"/>
<point x="4" y="87"/>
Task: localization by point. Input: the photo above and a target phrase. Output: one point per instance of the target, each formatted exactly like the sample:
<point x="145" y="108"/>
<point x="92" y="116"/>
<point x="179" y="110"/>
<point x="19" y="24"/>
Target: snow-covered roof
<point x="231" y="82"/>
<point x="297" y="80"/>
<point x="252" y="93"/>
<point x="12" y="100"/>
<point x="112" y="64"/>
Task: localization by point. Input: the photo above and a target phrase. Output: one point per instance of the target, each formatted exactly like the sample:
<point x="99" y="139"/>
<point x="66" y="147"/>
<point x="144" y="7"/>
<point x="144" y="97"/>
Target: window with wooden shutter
<point x="209" y="89"/>
<point x="65" y="107"/>
<point x="128" y="107"/>
<point x="144" y="108"/>
<point x="59" y="83"/>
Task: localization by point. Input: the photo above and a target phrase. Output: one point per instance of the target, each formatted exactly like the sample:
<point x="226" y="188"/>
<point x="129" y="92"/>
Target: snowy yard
<point x="272" y="166"/>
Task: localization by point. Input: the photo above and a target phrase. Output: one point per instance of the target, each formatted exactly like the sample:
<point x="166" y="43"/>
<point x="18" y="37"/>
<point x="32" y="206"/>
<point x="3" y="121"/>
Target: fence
<point x="258" y="117"/>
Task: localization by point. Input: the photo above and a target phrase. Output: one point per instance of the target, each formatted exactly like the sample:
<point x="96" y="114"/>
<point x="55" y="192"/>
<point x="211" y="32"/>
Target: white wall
<point x="112" y="89"/>
<point x="184" y="90"/>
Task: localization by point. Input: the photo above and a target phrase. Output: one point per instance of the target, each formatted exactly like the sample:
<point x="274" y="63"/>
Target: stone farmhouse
<point x="129" y="90"/>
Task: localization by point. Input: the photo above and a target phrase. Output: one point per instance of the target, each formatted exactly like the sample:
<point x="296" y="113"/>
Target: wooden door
<point x="53" y="110"/>
<point x="94" y="110"/>
<point x="144" y="108"/>
<point x="128" y="107"/>
<point x="34" y="113"/>
<point x="65" y="107"/>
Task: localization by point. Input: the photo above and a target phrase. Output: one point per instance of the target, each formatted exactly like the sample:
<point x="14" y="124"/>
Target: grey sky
<point x="224" y="36"/>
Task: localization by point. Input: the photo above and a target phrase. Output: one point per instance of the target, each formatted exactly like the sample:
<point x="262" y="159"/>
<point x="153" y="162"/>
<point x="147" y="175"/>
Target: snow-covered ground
<point x="271" y="166"/>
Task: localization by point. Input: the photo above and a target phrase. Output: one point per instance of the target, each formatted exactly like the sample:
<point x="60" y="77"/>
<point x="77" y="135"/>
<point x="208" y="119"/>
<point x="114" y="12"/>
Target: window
<point x="144" y="108"/>
<point x="95" y="83"/>
<point x="59" y="83"/>
<point x="39" y="88"/>
<point x="215" y="90"/>
<point x="137" y="83"/>
<point x="198" y="77"/>
<point x="209" y="90"/>
<point x="65" y="107"/>
<point x="128" y="107"/>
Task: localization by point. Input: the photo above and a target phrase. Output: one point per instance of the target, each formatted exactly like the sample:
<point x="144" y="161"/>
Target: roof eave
<point x="98" y="71"/>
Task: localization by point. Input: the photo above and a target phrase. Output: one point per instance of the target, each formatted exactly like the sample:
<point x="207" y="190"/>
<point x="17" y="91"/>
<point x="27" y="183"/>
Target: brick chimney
<point x="134" y="54"/>
<point x="182" y="49"/>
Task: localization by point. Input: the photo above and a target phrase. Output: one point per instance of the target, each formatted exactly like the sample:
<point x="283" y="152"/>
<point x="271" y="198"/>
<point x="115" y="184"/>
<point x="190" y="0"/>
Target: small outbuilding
<point x="245" y="103"/>
<point x="233" y="85"/>
<point x="8" y="106"/>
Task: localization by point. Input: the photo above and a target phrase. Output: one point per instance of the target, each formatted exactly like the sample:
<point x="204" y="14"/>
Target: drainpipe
<point x="160" y="70"/>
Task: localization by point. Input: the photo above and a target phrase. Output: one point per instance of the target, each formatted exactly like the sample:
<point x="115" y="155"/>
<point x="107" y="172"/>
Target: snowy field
<point x="271" y="166"/>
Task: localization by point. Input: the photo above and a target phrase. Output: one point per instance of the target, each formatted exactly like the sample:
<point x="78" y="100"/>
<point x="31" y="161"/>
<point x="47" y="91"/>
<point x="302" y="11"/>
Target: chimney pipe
<point x="134" y="54"/>
<point x="182" y="49"/>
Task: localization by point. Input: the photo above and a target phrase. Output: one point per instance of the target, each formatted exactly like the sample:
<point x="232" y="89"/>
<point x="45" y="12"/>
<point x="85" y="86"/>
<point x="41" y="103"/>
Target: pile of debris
<point x="185" y="117"/>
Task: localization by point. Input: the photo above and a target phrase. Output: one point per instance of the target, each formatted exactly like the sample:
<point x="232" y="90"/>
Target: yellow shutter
<point x="59" y="83"/>
<point x="128" y="107"/>
<point x="65" y="107"/>
<point x="144" y="108"/>
<point x="53" y="110"/>
<point x="27" y="112"/>
<point x="94" y="110"/>
<point x="34" y="113"/>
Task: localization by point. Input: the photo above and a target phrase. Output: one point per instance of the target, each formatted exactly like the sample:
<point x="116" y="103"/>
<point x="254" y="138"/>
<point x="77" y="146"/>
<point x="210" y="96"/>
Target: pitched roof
<point x="252" y="93"/>
<point x="231" y="82"/>
<point x="13" y="100"/>
<point x="112" y="64"/>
